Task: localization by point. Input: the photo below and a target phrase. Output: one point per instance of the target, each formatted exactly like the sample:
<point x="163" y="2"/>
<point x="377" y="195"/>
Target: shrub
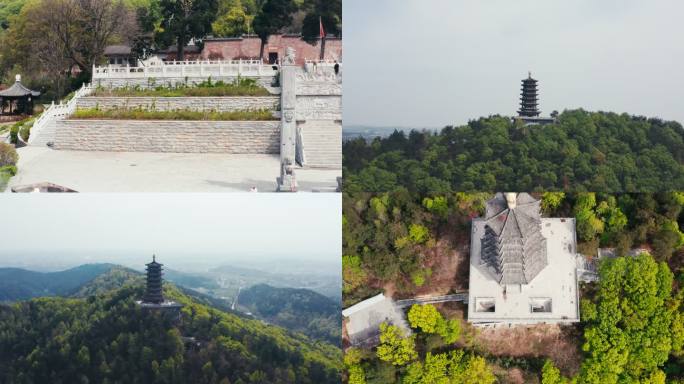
<point x="22" y="128"/>
<point x="14" y="134"/>
<point x="208" y="88"/>
<point x="25" y="131"/>
<point x="8" y="155"/>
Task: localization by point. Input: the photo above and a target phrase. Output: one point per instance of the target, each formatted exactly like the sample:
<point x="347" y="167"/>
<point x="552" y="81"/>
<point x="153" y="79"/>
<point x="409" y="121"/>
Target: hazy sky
<point x="182" y="229"/>
<point x="430" y="63"/>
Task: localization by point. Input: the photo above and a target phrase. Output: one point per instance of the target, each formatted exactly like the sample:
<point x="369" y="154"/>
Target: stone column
<point x="288" y="126"/>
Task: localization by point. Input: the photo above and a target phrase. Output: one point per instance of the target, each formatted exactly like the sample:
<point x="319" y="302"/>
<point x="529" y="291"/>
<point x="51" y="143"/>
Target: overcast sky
<point x="62" y="230"/>
<point x="429" y="63"/>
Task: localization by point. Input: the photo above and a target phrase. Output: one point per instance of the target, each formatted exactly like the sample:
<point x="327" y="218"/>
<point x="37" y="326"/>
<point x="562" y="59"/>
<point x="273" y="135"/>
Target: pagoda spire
<point x="528" y="97"/>
<point x="153" y="290"/>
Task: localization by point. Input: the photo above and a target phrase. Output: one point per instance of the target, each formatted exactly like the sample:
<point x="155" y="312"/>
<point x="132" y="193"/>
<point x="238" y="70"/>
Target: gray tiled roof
<point x="513" y="245"/>
<point x="111" y="50"/>
<point x="18" y="90"/>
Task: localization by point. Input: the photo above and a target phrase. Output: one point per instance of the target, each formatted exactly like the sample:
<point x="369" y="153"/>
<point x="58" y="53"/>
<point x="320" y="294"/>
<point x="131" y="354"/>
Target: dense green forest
<point x="300" y="310"/>
<point x="632" y="319"/>
<point x="107" y="338"/>
<point x="582" y="151"/>
<point x="55" y="43"/>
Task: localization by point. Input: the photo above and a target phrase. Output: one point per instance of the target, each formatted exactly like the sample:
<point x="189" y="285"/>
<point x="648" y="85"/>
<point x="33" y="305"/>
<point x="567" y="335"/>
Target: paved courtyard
<point x="160" y="172"/>
<point x="555" y="285"/>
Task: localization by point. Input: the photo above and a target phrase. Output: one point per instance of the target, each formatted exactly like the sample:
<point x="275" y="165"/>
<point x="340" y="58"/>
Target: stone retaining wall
<point x="220" y="104"/>
<point x="145" y="83"/>
<point x="238" y="137"/>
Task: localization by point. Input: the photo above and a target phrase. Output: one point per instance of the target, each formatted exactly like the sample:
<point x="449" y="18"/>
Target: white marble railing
<point x="186" y="69"/>
<point x="57" y="112"/>
<point x="323" y="62"/>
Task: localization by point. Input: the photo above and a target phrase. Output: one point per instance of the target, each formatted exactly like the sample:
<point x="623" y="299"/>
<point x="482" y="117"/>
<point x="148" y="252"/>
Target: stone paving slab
<point x="160" y="172"/>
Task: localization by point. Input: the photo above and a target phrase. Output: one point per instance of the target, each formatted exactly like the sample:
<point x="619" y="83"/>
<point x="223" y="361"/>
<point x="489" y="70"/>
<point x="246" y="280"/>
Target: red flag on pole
<point x="322" y="31"/>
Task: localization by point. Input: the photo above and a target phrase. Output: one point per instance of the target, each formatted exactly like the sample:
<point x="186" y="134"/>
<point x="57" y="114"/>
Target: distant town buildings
<point x="523" y="268"/>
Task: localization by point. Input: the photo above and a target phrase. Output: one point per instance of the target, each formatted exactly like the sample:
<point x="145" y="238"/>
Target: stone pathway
<point x="462" y="297"/>
<point x="160" y="172"/>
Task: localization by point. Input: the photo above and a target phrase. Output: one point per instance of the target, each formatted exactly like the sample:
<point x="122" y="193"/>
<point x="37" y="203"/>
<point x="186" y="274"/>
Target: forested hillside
<point x="632" y="330"/>
<point x="583" y="151"/>
<point x="114" y="278"/>
<point x="21" y="284"/>
<point x="401" y="238"/>
<point x="108" y="339"/>
<point x="300" y="310"/>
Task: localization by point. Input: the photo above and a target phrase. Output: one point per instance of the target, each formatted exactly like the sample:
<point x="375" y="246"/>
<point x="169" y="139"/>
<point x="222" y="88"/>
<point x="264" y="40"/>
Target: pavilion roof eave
<point x="18" y="90"/>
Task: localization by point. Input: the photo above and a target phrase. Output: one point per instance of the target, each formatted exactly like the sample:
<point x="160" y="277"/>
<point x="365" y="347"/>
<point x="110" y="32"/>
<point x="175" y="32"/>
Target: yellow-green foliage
<point x="419" y="234"/>
<point x="142" y="114"/>
<point x="428" y="319"/>
<point x="424" y="317"/>
<point x="232" y="20"/>
<point x="631" y="335"/>
<point x="448" y="368"/>
<point x="395" y="347"/>
<point x="551" y="374"/>
<point x="352" y="360"/>
<point x="551" y="200"/>
<point x="353" y="274"/>
<point x="438" y="205"/>
<point x="420" y="276"/>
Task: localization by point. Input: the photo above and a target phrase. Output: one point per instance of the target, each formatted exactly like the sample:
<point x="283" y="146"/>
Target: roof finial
<point x="529" y="74"/>
<point x="18" y="78"/>
<point x="154" y="259"/>
<point x="511" y="199"/>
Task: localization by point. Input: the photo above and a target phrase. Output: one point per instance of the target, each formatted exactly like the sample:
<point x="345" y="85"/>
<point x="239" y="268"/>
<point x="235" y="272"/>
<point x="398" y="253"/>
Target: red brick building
<point x="247" y="47"/>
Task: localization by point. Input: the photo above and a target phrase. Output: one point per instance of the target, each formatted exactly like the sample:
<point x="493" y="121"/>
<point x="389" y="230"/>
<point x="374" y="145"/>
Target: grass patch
<point x="6" y="173"/>
<point x="240" y="87"/>
<point x="186" y="114"/>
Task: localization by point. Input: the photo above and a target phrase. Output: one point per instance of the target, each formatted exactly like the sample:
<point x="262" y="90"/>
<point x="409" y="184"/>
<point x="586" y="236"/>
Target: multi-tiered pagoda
<point x="528" y="97"/>
<point x="513" y="246"/>
<point x="154" y="297"/>
<point x="153" y="292"/>
<point x="529" y="102"/>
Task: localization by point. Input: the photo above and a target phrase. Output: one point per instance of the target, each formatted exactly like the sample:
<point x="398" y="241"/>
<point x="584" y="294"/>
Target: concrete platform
<point x="160" y="172"/>
<point x="555" y="285"/>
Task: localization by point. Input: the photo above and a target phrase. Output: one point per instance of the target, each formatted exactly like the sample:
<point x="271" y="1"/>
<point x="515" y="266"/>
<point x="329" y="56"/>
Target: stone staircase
<point x="322" y="144"/>
<point x="46" y="135"/>
<point x="45" y="127"/>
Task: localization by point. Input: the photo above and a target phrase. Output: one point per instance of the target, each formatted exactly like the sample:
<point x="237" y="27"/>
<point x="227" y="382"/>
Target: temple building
<point x="523" y="267"/>
<point x="529" y="103"/>
<point x="17" y="99"/>
<point x="154" y="296"/>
